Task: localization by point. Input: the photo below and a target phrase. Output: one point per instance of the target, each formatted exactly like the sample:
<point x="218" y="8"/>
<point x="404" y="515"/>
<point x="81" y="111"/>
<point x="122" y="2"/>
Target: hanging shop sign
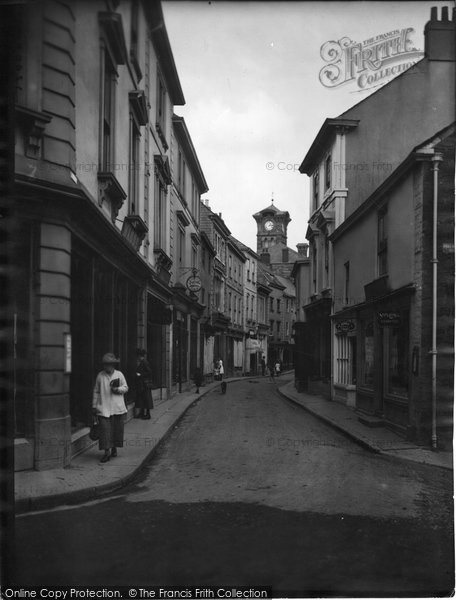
<point x="345" y="326"/>
<point x="194" y="284"/>
<point x="388" y="318"/>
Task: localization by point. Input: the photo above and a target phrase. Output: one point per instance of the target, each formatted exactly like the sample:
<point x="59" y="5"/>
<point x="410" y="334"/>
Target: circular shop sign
<point x="194" y="284"/>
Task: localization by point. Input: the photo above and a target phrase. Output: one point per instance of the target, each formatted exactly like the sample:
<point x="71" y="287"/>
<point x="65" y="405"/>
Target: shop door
<point x="82" y="367"/>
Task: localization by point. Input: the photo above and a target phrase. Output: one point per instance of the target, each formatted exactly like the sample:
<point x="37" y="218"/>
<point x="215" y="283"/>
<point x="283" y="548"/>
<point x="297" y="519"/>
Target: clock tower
<point x="272" y="225"/>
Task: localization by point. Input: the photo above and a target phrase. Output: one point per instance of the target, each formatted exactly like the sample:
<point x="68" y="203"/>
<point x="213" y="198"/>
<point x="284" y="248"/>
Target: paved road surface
<point x="252" y="490"/>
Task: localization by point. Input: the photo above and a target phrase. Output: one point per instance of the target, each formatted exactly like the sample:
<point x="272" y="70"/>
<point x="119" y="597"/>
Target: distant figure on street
<point x="271" y="369"/>
<point x="263" y="367"/>
<point x="144" y="401"/>
<point x="198" y="379"/>
<point x="219" y="372"/>
<point x="277" y="368"/>
<point x="109" y="406"/>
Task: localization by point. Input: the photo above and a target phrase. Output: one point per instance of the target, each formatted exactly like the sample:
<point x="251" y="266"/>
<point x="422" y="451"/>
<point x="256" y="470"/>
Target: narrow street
<point x="252" y="490"/>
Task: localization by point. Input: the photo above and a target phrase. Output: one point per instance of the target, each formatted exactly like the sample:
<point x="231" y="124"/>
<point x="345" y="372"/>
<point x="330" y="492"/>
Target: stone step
<point x="371" y="421"/>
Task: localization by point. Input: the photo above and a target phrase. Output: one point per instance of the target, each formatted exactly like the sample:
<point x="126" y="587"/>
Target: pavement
<point x="86" y="478"/>
<point x="376" y="439"/>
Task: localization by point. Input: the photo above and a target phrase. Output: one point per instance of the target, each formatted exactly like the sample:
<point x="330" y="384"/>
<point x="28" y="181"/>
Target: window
<point x="316" y="189"/>
<point x="107" y="120"/>
<point x="133" y="183"/>
<point x="278" y="305"/>
<point x="247" y="306"/>
<point x="382" y="245"/>
<point x="261" y="310"/>
<point x="347" y="283"/>
<point x="345" y="360"/>
<point x="287" y="328"/>
<point x="203" y="295"/>
<point x="161" y="108"/>
<point x="253" y="272"/>
<point x="181" y="174"/>
<point x="195" y="202"/>
<point x="328" y="166"/>
<point x="279" y="329"/>
<point x="314" y="267"/>
<point x="160" y="215"/>
<point x="327" y="259"/>
<point x="271" y="305"/>
<point x="194" y="257"/>
<point x="181" y="247"/>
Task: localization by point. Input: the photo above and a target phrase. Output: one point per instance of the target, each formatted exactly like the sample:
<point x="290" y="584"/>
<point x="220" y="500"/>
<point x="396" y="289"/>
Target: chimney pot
<point x="434" y="16"/>
<point x="444" y="13"/>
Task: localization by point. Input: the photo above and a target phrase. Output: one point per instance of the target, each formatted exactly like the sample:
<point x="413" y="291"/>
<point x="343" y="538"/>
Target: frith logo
<point x="369" y="63"/>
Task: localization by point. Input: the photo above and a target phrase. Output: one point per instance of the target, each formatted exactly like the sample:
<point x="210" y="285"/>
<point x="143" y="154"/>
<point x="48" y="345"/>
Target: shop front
<point x="77" y="295"/>
<point x="384" y="361"/>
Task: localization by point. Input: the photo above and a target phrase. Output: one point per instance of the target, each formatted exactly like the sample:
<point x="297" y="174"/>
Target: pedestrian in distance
<point x="109" y="406"/>
<point x="198" y="379"/>
<point x="219" y="373"/>
<point x="277" y="368"/>
<point x="143" y="402"/>
<point x="263" y="367"/>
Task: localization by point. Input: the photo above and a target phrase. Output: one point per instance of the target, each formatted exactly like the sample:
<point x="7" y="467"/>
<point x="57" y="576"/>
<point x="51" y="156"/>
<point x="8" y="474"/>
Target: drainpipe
<point x="436" y="158"/>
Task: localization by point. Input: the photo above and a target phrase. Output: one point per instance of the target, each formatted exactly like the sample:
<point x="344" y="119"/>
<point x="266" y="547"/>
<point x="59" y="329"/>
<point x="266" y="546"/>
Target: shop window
<point x="398" y="362"/>
<point x="345" y="360"/>
<point x="367" y="355"/>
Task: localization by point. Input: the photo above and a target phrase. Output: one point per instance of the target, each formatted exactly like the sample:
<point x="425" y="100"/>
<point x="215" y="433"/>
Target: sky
<point x="254" y="99"/>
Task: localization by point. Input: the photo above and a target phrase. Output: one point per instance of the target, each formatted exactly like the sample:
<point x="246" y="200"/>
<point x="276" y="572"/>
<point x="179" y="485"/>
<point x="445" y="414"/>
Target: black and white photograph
<point x="228" y="261"/>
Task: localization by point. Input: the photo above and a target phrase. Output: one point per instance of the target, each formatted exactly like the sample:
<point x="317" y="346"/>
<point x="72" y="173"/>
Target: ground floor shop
<point x="76" y="295"/>
<point x="185" y="340"/>
<point x="382" y="365"/>
<point x="315" y="349"/>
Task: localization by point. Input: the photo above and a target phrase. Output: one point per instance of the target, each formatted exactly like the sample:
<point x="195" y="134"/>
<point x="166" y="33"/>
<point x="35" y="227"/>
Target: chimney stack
<point x="440" y="35"/>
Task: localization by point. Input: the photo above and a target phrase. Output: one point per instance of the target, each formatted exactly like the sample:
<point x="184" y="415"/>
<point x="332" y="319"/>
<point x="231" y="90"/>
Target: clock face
<point x="269" y="225"/>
